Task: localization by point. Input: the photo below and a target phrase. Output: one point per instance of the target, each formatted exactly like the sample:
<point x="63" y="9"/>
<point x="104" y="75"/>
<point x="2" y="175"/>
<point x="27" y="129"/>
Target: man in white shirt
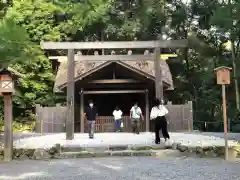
<point x="117" y="113"/>
<point x="136" y="115"/>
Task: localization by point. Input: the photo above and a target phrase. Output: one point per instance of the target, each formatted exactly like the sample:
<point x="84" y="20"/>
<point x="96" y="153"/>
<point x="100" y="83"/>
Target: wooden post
<point x="8" y="132"/>
<point x="38" y="118"/>
<point x="58" y="109"/>
<point x="189" y="125"/>
<point x="158" y="74"/>
<point x="229" y="125"/>
<point x="223" y="78"/>
<point x="41" y="126"/>
<point x="70" y="96"/>
<point x="191" y="114"/>
<point x="147" y="112"/>
<point x="225" y="120"/>
<point x="81" y="110"/>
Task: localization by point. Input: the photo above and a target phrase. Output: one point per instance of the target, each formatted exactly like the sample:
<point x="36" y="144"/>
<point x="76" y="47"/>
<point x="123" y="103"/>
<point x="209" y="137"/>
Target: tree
<point x="14" y="42"/>
<point x="227" y="22"/>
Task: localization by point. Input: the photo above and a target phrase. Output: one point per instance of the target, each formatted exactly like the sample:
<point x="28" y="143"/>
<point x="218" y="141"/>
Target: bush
<point x="19" y="126"/>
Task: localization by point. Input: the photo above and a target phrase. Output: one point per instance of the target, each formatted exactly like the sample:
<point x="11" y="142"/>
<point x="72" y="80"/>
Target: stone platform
<point x="35" y="146"/>
<point x="34" y="141"/>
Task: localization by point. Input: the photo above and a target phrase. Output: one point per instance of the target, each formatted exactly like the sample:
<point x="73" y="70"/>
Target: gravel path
<point x="122" y="168"/>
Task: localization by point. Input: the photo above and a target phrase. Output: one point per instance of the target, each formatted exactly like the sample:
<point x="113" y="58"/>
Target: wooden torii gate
<point x="71" y="46"/>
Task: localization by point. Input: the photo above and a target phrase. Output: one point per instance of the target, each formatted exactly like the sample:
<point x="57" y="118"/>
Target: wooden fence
<point x="52" y="119"/>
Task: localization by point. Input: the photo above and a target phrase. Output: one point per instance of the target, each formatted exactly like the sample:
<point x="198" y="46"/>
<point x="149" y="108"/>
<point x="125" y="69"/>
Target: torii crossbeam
<point x="71" y="46"/>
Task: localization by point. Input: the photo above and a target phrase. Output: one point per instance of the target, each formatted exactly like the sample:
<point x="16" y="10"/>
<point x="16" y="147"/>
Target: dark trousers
<point x="161" y="124"/>
<point x="91" y="128"/>
<point x="118" y="124"/>
<point x="136" y="126"/>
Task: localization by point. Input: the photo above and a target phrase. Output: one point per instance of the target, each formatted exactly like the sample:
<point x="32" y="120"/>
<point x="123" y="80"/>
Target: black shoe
<point x="157" y="142"/>
<point x="91" y="137"/>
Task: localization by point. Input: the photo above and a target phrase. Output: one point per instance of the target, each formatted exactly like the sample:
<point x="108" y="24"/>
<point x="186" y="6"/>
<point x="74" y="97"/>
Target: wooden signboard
<point x="223" y="78"/>
<point x="6" y="82"/>
<point x="223" y="75"/>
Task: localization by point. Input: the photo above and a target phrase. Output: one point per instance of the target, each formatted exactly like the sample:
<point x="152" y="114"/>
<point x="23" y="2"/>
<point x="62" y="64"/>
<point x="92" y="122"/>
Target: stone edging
<point x="122" y="150"/>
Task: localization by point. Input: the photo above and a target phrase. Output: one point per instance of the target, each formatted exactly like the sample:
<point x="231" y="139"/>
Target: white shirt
<point x="117" y="114"/>
<point x="158" y="111"/>
<point x="136" y="112"/>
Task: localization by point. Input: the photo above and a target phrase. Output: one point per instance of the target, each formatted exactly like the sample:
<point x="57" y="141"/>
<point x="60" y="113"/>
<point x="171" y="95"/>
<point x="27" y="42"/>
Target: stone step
<point x="114" y="148"/>
<point x="86" y="154"/>
<point x="161" y="154"/>
<point x="176" y="150"/>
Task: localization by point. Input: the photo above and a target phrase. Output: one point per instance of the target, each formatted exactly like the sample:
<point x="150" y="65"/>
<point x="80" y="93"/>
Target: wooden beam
<point x="114" y="92"/>
<point x="70" y="96"/>
<point x="115" y="57"/>
<point x="106" y="57"/>
<point x="147" y="112"/>
<point x="115" y="44"/>
<point x="140" y="57"/>
<point x="158" y="75"/>
<point x="113" y="81"/>
<point x="81" y="111"/>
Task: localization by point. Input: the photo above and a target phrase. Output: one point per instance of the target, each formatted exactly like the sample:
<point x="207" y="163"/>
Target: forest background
<point x="211" y="26"/>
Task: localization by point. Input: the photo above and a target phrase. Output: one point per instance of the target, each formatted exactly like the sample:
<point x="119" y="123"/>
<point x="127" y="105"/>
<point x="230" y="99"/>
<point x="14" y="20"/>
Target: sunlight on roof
<point x="22" y="176"/>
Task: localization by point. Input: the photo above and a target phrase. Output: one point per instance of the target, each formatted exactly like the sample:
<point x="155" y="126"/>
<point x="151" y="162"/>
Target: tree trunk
<point x="235" y="75"/>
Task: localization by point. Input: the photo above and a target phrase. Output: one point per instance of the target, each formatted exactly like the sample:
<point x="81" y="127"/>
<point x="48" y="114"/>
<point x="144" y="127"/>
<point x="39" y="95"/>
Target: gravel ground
<point x="122" y="168"/>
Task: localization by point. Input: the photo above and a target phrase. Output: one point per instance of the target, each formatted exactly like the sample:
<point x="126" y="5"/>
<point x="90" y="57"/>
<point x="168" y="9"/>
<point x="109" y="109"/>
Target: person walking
<point x="90" y="114"/>
<point x="117" y="113"/>
<point x="136" y="115"/>
<point x="158" y="113"/>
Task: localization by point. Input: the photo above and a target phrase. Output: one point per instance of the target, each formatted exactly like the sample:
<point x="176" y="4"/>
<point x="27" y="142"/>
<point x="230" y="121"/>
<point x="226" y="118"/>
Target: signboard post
<point x="223" y="78"/>
<point x="6" y="90"/>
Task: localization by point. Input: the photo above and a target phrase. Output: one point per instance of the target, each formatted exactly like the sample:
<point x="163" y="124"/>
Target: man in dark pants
<point x="91" y="113"/>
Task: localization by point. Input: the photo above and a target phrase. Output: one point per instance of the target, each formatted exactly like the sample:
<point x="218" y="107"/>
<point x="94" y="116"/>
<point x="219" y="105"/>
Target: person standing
<point x="136" y="115"/>
<point x="90" y="114"/>
<point x="117" y="113"/>
<point x="158" y="113"/>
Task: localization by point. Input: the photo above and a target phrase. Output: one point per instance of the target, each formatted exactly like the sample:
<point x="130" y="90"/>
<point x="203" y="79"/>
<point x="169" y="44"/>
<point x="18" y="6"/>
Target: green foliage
<point x="37" y="17"/>
<point x="19" y="126"/>
<point x="208" y="25"/>
<point x="14" y="42"/>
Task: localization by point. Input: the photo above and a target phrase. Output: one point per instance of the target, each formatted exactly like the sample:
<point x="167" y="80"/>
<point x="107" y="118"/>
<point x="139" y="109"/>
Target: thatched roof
<point x="83" y="68"/>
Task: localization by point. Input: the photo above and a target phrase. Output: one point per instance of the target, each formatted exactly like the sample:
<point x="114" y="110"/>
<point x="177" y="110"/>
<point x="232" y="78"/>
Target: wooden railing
<point x="53" y="119"/>
<point x="106" y="124"/>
